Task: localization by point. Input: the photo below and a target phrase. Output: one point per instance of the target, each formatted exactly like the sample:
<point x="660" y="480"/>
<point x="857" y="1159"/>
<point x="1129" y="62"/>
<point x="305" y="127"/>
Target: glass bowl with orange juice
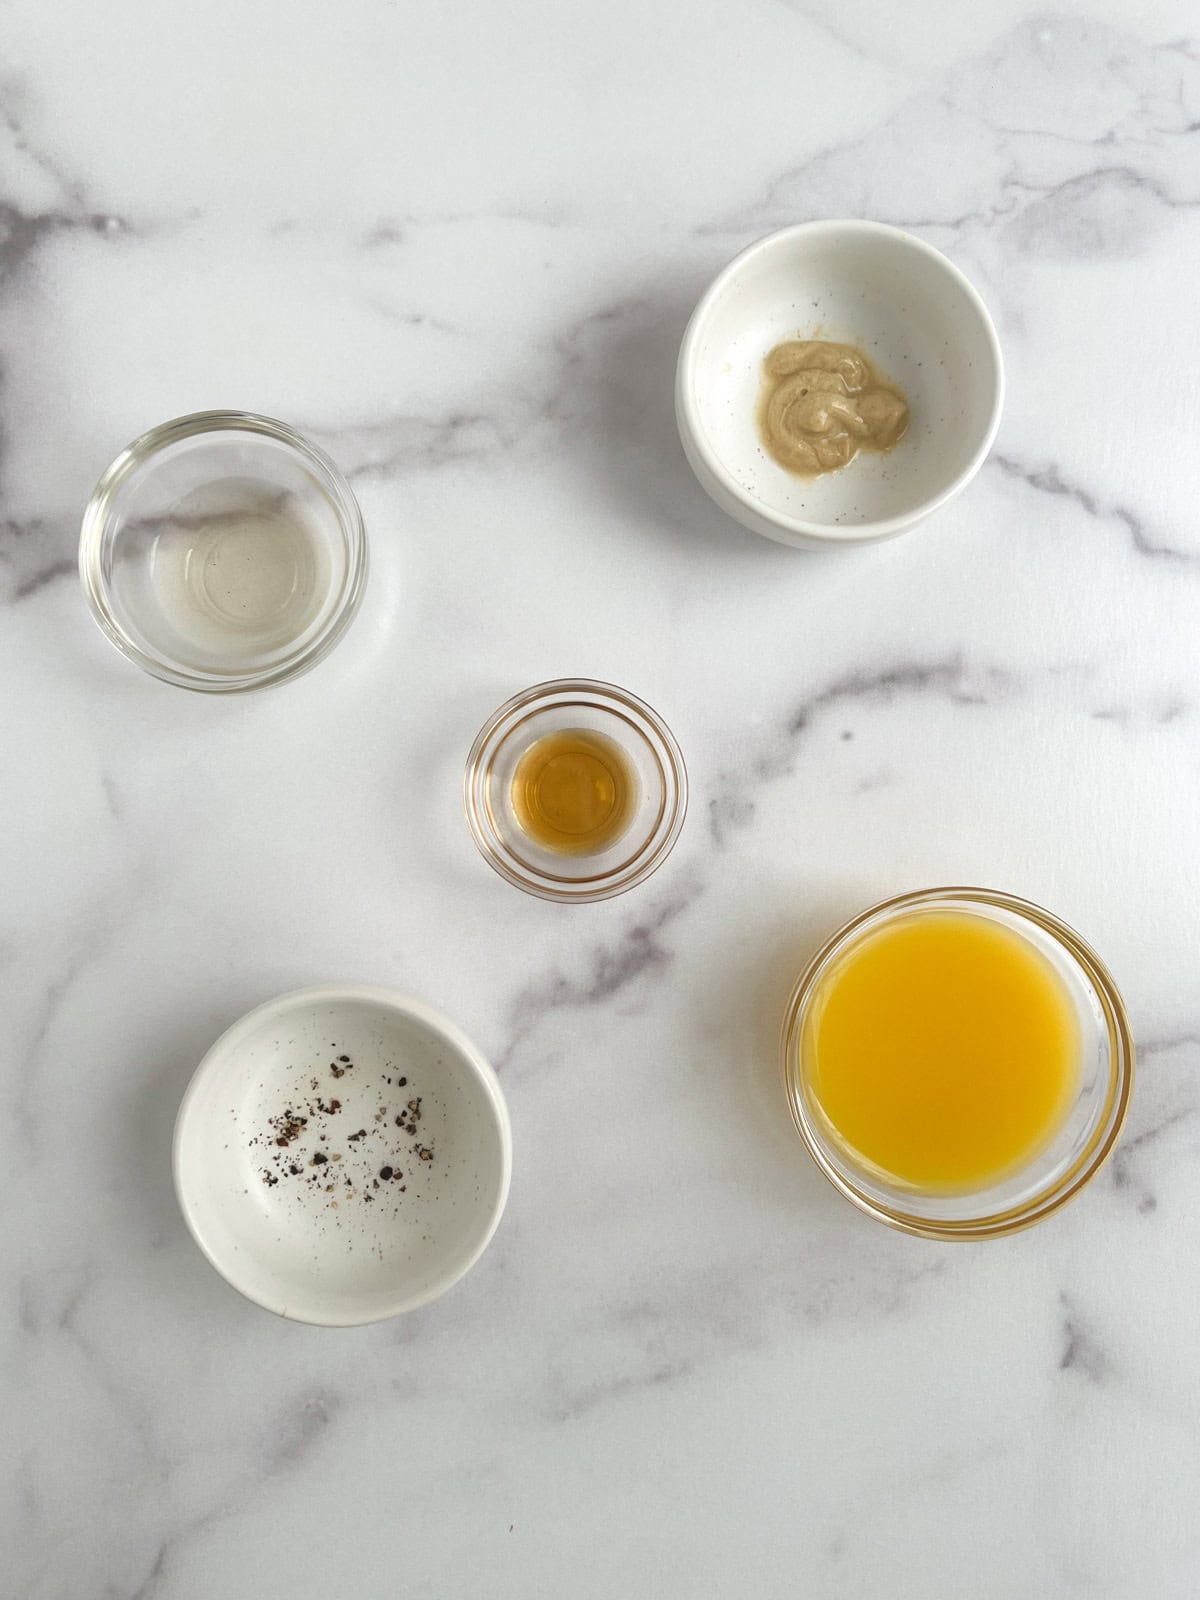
<point x="958" y="1062"/>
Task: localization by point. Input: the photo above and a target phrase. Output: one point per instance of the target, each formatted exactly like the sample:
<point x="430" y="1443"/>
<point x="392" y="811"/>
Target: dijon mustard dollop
<point x="821" y="403"/>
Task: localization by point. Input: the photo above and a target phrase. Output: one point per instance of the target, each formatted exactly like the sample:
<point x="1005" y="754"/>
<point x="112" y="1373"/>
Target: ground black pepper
<point x="294" y="1126"/>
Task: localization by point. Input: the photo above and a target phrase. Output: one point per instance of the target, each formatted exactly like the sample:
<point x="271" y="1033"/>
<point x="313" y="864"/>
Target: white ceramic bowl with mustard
<point x="342" y="1155"/>
<point x="919" y="322"/>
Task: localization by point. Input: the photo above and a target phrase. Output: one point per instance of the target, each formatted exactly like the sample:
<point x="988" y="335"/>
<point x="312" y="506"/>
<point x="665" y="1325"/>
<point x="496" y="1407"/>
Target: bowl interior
<point x="904" y="306"/>
<point x="221" y="554"/>
<point x="393" y="1168"/>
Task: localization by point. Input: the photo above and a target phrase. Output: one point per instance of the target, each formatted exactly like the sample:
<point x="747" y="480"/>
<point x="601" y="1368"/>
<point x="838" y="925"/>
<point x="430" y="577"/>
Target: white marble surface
<point x="458" y="245"/>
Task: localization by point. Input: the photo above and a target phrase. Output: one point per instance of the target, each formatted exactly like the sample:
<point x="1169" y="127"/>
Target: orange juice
<point x="943" y="1049"/>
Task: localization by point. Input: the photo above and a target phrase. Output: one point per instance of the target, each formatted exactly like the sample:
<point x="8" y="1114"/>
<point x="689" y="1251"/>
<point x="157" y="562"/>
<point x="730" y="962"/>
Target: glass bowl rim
<point x="1064" y="1187"/>
<point x="195" y="424"/>
<point x="627" y="875"/>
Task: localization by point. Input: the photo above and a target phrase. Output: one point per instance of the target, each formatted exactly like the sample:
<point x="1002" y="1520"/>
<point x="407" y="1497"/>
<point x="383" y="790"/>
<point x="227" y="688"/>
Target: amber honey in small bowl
<point x="575" y="790"/>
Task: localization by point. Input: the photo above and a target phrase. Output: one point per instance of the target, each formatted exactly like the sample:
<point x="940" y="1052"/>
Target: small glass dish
<point x="222" y="552"/>
<point x="1056" y="1172"/>
<point x="656" y="771"/>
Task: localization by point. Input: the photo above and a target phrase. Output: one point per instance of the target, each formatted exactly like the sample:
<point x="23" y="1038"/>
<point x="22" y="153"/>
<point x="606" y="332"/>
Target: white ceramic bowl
<point x="356" y="1216"/>
<point x="921" y="324"/>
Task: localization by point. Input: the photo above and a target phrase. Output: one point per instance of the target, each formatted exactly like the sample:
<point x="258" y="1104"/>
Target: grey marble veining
<point x="1048" y="479"/>
<point x="459" y="248"/>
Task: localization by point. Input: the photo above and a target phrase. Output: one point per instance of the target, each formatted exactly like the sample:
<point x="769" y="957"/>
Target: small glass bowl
<point x="222" y="552"/>
<point x="1057" y="1172"/>
<point x="646" y="742"/>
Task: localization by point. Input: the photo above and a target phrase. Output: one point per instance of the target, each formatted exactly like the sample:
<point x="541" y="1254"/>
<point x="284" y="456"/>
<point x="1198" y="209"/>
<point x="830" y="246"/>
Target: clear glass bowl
<point x="223" y="552"/>
<point x="659" y="805"/>
<point x="1056" y="1173"/>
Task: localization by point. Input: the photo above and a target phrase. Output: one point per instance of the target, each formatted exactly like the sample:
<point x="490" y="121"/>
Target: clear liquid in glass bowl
<point x="223" y="552"/>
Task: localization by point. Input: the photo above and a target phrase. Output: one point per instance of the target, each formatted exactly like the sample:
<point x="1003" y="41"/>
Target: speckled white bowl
<point x="920" y="322"/>
<point x="332" y="1241"/>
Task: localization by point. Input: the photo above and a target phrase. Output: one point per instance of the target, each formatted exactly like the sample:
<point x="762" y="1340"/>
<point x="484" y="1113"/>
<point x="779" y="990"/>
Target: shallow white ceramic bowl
<point x="274" y="1233"/>
<point x="915" y="316"/>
